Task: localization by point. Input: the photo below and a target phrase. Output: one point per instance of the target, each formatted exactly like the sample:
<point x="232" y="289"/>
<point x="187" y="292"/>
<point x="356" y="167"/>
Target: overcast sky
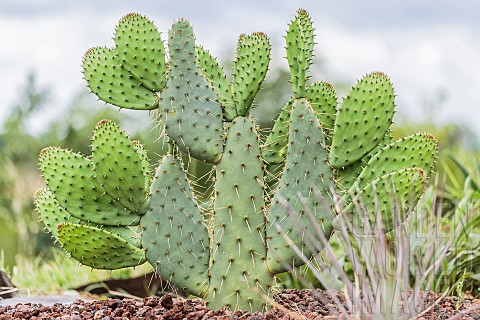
<point x="427" y="47"/>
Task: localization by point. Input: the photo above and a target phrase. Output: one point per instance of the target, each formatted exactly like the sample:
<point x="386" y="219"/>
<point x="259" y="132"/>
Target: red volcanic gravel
<point x="292" y="304"/>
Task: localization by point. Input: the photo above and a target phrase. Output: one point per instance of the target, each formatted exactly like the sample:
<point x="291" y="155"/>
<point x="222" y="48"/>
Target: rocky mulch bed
<point x="292" y="304"/>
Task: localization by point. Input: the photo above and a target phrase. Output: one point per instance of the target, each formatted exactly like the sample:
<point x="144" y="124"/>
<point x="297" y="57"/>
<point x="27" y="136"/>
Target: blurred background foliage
<point x="22" y="239"/>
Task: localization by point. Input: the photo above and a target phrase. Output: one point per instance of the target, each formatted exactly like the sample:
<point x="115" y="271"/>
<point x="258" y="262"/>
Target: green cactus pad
<point x="119" y="167"/>
<point x="238" y="271"/>
<point x="173" y="231"/>
<point x="306" y="172"/>
<point x="71" y="179"/>
<point x="394" y="193"/>
<point x="140" y="48"/>
<point x="323" y="99"/>
<point x="191" y="113"/>
<point x="113" y="84"/>
<point x="99" y="248"/>
<point x="300" y="40"/>
<point x="251" y="65"/>
<point x="215" y="75"/>
<point x="415" y="151"/>
<point x="51" y="213"/>
<point x="275" y="147"/>
<point x="346" y="176"/>
<point x="363" y="119"/>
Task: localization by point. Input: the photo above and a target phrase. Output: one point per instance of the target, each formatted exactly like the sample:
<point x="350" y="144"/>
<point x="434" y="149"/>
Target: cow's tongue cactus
<point x="107" y="212"/>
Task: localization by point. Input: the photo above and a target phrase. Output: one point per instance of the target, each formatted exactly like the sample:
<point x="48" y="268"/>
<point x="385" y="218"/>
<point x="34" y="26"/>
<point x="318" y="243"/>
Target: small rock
<point x="167" y="302"/>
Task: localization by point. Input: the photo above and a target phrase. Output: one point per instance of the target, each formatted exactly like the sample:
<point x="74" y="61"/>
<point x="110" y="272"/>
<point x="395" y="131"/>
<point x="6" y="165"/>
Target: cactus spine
<point x="107" y="212"/>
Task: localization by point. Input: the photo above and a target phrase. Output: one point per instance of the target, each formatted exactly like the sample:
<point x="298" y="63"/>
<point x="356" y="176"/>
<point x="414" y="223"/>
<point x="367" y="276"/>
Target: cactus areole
<point x="108" y="211"/>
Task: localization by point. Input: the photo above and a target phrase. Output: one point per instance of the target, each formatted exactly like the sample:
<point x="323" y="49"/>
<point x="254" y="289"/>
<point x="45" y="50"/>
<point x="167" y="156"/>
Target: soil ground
<point x="292" y="304"/>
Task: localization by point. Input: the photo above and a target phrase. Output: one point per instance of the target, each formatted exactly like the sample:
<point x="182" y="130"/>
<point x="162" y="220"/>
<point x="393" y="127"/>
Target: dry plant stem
<point x="275" y="304"/>
<point x="8" y="290"/>
<point x="124" y="295"/>
<point x="431" y="305"/>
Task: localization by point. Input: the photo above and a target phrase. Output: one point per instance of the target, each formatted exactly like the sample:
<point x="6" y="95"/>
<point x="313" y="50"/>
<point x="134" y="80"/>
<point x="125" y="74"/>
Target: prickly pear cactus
<point x="108" y="212"/>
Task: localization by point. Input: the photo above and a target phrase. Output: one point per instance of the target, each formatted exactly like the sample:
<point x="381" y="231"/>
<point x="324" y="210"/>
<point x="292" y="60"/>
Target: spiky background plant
<point x="393" y="272"/>
<point x="106" y="212"/>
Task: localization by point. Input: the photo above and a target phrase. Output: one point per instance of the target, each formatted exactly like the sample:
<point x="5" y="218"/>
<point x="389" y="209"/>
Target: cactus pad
<point x="173" y="231"/>
<point x="190" y="111"/>
<point x="215" y="75"/>
<point x="363" y="119"/>
<point x="119" y="167"/>
<point x="346" y="176"/>
<point x="418" y="150"/>
<point x="51" y="213"/>
<point x="141" y="51"/>
<point x="251" y="65"/>
<point x="98" y="248"/>
<point x="323" y="99"/>
<point x="238" y="270"/>
<point x="275" y="147"/>
<point x="300" y="40"/>
<point x="306" y="172"/>
<point x="393" y="193"/>
<point x="113" y="84"/>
